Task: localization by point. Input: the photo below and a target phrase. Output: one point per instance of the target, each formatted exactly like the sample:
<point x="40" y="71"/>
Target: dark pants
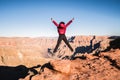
<point x="62" y="37"/>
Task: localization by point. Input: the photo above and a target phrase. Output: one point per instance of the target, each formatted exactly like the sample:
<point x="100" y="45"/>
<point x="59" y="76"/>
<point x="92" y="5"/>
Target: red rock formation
<point x="97" y="68"/>
<point x="91" y="59"/>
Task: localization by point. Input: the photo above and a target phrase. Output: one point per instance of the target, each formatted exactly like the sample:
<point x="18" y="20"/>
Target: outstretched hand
<point x="51" y="19"/>
<point x="72" y="19"/>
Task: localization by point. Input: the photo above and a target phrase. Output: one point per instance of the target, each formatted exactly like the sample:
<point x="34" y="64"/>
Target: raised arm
<point x="54" y="22"/>
<point x="69" y="22"/>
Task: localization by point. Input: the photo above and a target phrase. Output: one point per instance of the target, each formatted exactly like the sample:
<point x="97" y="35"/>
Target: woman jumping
<point x="61" y="27"/>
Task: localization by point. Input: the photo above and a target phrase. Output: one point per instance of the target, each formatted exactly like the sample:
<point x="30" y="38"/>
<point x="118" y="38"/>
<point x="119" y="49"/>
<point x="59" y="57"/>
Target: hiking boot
<point x="50" y="52"/>
<point x="72" y="50"/>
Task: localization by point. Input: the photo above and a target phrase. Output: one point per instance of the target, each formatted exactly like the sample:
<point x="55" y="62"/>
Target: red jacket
<point x="62" y="28"/>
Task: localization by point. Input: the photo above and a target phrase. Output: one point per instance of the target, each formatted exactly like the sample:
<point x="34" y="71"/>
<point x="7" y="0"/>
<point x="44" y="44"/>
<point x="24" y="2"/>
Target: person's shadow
<point x="15" y="73"/>
<point x="86" y="49"/>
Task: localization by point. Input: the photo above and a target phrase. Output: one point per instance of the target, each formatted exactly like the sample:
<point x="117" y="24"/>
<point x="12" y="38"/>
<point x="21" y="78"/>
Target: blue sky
<point x="31" y="18"/>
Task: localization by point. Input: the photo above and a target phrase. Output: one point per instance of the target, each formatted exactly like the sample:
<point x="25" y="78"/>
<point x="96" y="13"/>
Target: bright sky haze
<point x="32" y="18"/>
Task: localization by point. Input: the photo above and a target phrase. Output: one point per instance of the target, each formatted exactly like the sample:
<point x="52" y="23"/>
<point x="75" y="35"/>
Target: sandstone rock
<point x="63" y="66"/>
<point x="92" y="60"/>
